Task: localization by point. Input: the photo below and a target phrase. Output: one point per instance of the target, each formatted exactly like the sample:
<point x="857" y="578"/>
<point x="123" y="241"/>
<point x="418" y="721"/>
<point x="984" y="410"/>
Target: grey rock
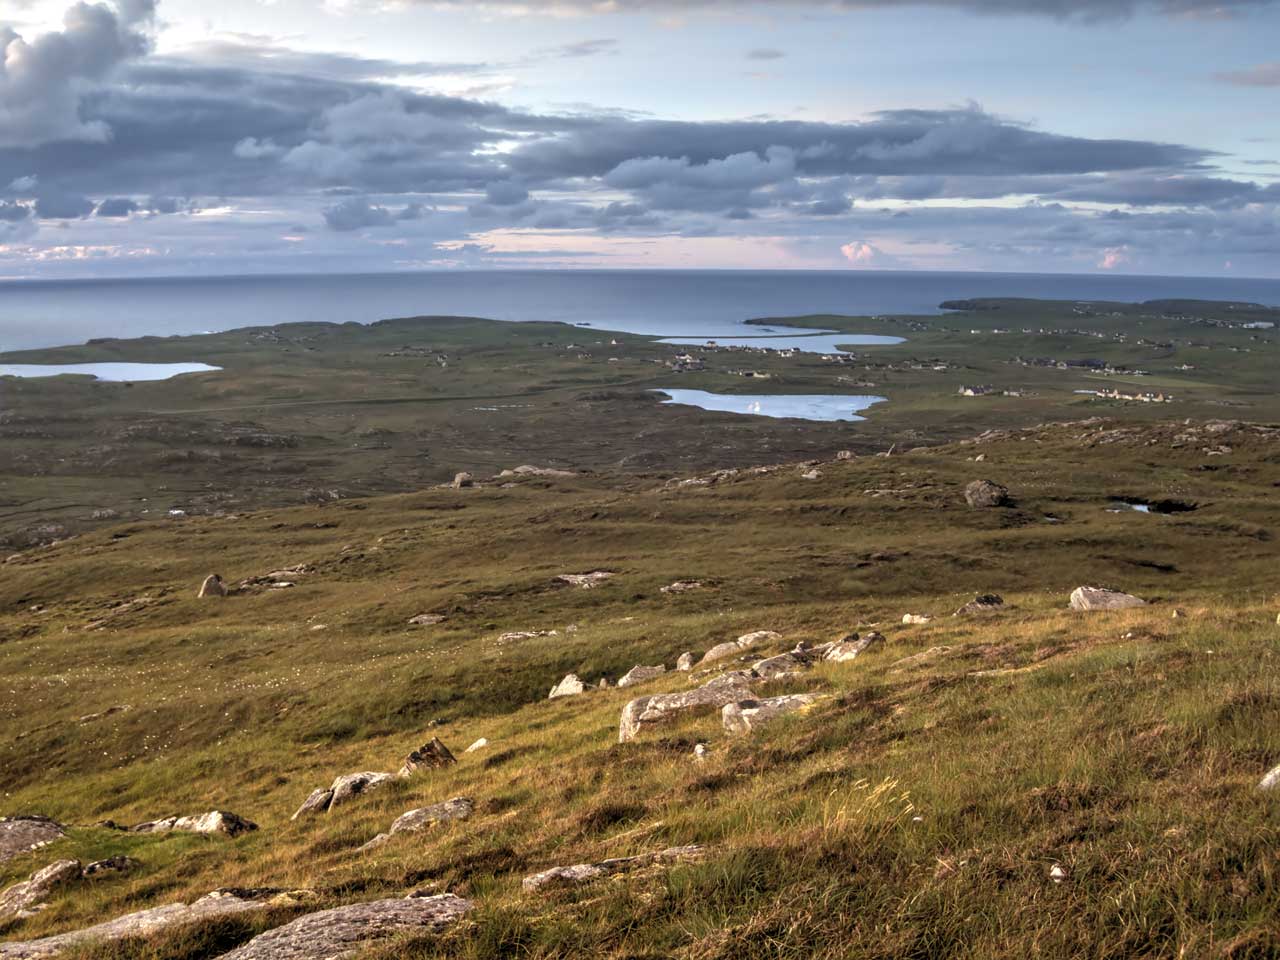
<point x="1271" y="781"/>
<point x="682" y="586"/>
<point x="430" y="756"/>
<point x="110" y="867"/>
<point x="29" y="897"/>
<point x="346" y="788"/>
<point x="317" y="802"/>
<point x="459" y="808"/>
<point x="220" y="903"/>
<point x="685" y="662"/>
<point x="640" y="675"/>
<point x="586" y="872"/>
<point x="478" y="745"/>
<point x="853" y="646"/>
<point x="462" y="480"/>
<point x="585" y="581"/>
<point x="345" y="931"/>
<point x="212" y="587"/>
<point x="734" y="647"/>
<point x="215" y="821"/>
<point x="19" y="835"/>
<point x="648" y="711"/>
<point x="746" y="715"/>
<point x="783" y="665"/>
<point x="570" y="686"/>
<point x="984" y="493"/>
<point x="980" y="605"/>
<point x="1094" y="598"/>
<point x="427" y="619"/>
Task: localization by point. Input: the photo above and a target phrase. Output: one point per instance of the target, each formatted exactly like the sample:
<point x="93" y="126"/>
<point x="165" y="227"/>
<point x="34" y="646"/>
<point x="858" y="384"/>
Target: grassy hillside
<point x="915" y="811"/>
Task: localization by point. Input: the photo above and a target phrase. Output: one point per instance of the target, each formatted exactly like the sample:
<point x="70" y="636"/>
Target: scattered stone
<point x="783" y="665"/>
<point x="1179" y="615"/>
<point x="427" y="619"/>
<point x="983" y="604"/>
<point x="431" y="756"/>
<point x="814" y="474"/>
<point x="984" y="493"/>
<point x="1094" y="598"/>
<point x="102" y="715"/>
<point x="846" y="455"/>
<point x="745" y="715"/>
<point x="1057" y="874"/>
<point x="280" y="579"/>
<point x="603" y="684"/>
<point x="215" y="821"/>
<point x="852" y="646"/>
<point x="586" y="581"/>
<point x="342" y="790"/>
<point x="345" y="931"/>
<point x="220" y="903"/>
<point x="478" y="745"/>
<point x="105" y="513"/>
<point x="734" y="647"/>
<point x="685" y="662"/>
<point x="918" y="658"/>
<point x="515" y="636"/>
<point x="640" y="675"/>
<point x="683" y="586"/>
<point x="1271" y="781"/>
<point x="459" y="808"/>
<point x="28" y="898"/>
<point x="530" y="471"/>
<point x="586" y="872"/>
<point x="645" y="712"/>
<point x="462" y="480"/>
<point x="19" y="835"/>
<point x="112" y="866"/>
<point x="915" y="618"/>
<point x="701" y="751"/>
<point x="570" y="686"/>
<point x="212" y="587"/>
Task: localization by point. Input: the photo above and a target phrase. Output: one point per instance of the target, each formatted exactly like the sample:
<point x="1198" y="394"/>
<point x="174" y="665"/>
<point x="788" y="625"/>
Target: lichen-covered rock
<point x="459" y="808"/>
<point x="462" y="481"/>
<point x="640" y="675"/>
<point x="685" y="662"/>
<point x="682" y="586"/>
<point x="317" y="802"/>
<point x="430" y="756"/>
<point x="586" y="872"/>
<point x="212" y="587"/>
<point x="27" y="898"/>
<point x="478" y="745"/>
<point x="220" y="903"/>
<point x="585" y="581"/>
<point x="982" y="604"/>
<point x="345" y="931"/>
<point x="916" y="618"/>
<point x="570" y="686"/>
<point x="734" y="647"/>
<point x="349" y="786"/>
<point x="22" y="834"/>
<point x="427" y="619"/>
<point x="1271" y="781"/>
<point x="984" y="493"/>
<point x="1094" y="598"/>
<point x="853" y="646"/>
<point x="746" y="715"/>
<point x="783" y="665"/>
<point x="647" y="711"/>
<point x="110" y="867"/>
<point x="215" y="821"/>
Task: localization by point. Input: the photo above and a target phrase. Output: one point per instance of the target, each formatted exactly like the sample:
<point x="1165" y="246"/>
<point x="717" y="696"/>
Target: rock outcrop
<point x="430" y="756"/>
<point x="1272" y="780"/>
<point x="462" y="481"/>
<point x="682" y="586"/>
<point x="586" y="872"/>
<point x="585" y="581"/>
<point x="1095" y="598"/>
<point x="916" y="618"/>
<point x="570" y="686"/>
<point x="745" y="715"/>
<point x="212" y="587"/>
<point x="19" y="835"/>
<point x="685" y="662"/>
<point x="344" y="789"/>
<point x="648" y="711"/>
<point x="984" y="493"/>
<point x="110" y="867"/>
<point x="27" y="898"/>
<point x="982" y="604"/>
<point x="220" y="903"/>
<point x="459" y="808"/>
<point x="215" y="821"/>
<point x="640" y="675"/>
<point x="783" y="665"/>
<point x="734" y="647"/>
<point x="853" y="646"/>
<point x="345" y="931"/>
<point x="427" y="619"/>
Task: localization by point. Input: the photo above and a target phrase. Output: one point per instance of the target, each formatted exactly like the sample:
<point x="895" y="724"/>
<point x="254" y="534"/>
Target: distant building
<point x="982" y="390"/>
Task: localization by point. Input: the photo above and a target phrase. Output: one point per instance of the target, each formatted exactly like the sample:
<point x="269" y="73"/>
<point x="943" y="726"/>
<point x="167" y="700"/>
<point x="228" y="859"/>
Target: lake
<point x="115" y="372"/>
<point x="797" y="406"/>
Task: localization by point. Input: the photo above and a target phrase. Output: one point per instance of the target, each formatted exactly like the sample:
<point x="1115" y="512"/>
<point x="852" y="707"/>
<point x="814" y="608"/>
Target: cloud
<point x="12" y="212"/>
<point x="250" y="148"/>
<point x="1078" y="10"/>
<point x="42" y="80"/>
<point x="116" y="207"/>
<point x="357" y="213"/>
<point x="1113" y="257"/>
<point x="1263" y="75"/>
<point x="765" y="53"/>
<point x="63" y="206"/>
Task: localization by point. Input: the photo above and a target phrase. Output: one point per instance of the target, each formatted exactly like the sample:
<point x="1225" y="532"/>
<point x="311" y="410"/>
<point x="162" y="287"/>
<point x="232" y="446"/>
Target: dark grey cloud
<point x="11" y="211"/>
<point x="116" y="207"/>
<point x="53" y="205"/>
<point x="1081" y="10"/>
<point x="357" y="213"/>
<point x="1263" y="75"/>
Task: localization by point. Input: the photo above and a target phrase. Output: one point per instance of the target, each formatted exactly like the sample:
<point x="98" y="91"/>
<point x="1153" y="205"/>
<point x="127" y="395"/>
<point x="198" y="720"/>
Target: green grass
<point x="916" y="811"/>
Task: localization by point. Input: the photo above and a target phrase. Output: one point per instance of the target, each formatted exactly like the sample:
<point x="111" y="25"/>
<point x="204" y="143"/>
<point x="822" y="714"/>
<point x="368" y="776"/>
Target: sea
<point x="692" y="304"/>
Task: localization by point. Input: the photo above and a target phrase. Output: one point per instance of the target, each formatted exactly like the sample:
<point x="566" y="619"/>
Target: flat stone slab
<point x="1094" y="598"/>
<point x="215" y="821"/>
<point x="459" y="808"/>
<point x="19" y="835"/>
<point x="746" y="715"/>
<point x="647" y="711"/>
<point x="27" y="898"/>
<point x="345" y="931"/>
<point x="586" y="872"/>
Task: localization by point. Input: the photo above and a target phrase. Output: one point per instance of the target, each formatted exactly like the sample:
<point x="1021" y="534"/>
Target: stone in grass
<point x="649" y="711"/>
<point x="23" y="834"/>
<point x="1095" y="598"/>
<point x="746" y="715"/>
<point x="430" y="756"/>
<point x="27" y="898"/>
<point x="640" y="675"/>
<point x="985" y="494"/>
<point x="459" y="808"/>
<point x="586" y="872"/>
<point x="215" y="821"/>
<point x="980" y="605"/>
<point x="1271" y="781"/>
<point x="853" y="646"/>
<point x="570" y="686"/>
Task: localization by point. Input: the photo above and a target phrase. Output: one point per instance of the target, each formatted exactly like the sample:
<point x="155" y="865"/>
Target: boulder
<point x="19" y="835"/>
<point x="110" y="867"/>
<point x="915" y="618"/>
<point x="586" y="581"/>
<point x="346" y="931"/>
<point x="220" y="903"/>
<point x="25" y="899"/>
<point x="586" y="872"/>
<point x="980" y="605"/>
<point x="317" y="802"/>
<point x="852" y="646"/>
<point x="685" y="662"/>
<point x="527" y="470"/>
<point x="645" y="712"/>
<point x="1271" y="781"/>
<point x="459" y="808"/>
<point x="570" y="686"/>
<point x="640" y="675"/>
<point x="682" y="586"/>
<point x="478" y="745"/>
<point x="427" y="620"/>
<point x="462" y="480"/>
<point x="1094" y="598"/>
<point x="701" y="751"/>
<point x="783" y="665"/>
<point x="745" y="715"/>
<point x="430" y="756"/>
<point x="352" y="785"/>
<point x="215" y="821"/>
<point x="212" y="587"/>
<point x="984" y="493"/>
<point x="734" y="647"/>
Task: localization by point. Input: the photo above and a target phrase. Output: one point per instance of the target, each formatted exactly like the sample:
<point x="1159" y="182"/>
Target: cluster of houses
<point x="1114" y="394"/>
<point x="1099" y="366"/>
<point x="986" y="390"/>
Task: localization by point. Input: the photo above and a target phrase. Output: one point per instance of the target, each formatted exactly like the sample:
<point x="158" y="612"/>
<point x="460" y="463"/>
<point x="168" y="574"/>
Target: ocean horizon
<point x="39" y="313"/>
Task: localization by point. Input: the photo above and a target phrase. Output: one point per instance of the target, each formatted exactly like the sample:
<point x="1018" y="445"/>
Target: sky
<point x="174" y="137"/>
